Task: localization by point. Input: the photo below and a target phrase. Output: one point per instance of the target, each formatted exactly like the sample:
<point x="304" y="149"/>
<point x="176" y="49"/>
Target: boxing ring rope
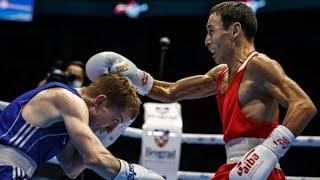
<point x="3" y="105"/>
<point x="217" y="139"/>
<point x="209" y="139"/>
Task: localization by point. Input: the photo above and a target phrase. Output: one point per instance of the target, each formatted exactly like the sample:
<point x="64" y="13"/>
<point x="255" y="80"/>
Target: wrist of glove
<point x="135" y="171"/>
<point x="143" y="82"/>
<point x="261" y="160"/>
<point x="279" y="141"/>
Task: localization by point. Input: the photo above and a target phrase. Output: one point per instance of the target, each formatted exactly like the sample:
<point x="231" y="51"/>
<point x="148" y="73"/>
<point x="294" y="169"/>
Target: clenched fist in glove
<point x="136" y="172"/>
<point x="111" y="62"/>
<point x="260" y="161"/>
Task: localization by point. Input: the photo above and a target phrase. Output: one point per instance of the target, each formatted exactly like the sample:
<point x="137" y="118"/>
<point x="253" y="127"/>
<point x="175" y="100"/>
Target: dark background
<point x="290" y="36"/>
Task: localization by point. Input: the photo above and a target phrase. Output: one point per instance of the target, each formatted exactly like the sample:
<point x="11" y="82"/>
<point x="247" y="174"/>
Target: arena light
<point x="255" y="4"/>
<point x="16" y="10"/>
<point x="132" y="9"/>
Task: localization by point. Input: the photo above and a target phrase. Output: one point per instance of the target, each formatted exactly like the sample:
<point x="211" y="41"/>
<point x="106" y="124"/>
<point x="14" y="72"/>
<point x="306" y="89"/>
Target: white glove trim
<point x="279" y="140"/>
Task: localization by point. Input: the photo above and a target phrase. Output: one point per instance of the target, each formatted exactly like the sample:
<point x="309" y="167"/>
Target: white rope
<point x="202" y="139"/>
<point x="3" y="105"/>
<point x="190" y="175"/>
<point x="133" y="133"/>
<point x="212" y="139"/>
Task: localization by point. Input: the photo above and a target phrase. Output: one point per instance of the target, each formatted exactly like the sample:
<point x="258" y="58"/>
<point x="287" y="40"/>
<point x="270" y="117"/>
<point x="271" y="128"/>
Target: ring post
<point x="161" y="138"/>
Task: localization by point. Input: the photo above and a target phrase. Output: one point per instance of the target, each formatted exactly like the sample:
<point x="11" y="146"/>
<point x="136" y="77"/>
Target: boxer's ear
<point x="235" y="30"/>
<point x="100" y="101"/>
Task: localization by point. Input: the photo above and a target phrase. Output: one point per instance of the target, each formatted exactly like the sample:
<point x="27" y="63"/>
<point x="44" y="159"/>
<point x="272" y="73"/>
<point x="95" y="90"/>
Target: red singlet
<point x="235" y="123"/>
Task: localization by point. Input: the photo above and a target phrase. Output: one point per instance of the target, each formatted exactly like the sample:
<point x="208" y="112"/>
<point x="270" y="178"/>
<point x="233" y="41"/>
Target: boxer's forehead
<point x="214" y="21"/>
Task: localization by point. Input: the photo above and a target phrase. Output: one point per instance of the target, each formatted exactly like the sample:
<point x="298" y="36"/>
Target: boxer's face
<point x="77" y="72"/>
<point x="217" y="39"/>
<point x="107" y="118"/>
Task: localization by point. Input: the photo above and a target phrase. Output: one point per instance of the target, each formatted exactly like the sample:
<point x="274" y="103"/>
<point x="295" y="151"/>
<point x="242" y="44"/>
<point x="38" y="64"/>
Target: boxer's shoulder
<point x="56" y="94"/>
<point x="260" y="63"/>
<point x="261" y="67"/>
<point x="62" y="99"/>
<point x="216" y="70"/>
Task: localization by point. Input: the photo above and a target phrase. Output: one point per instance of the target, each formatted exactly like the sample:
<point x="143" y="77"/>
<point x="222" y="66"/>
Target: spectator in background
<point x="72" y="74"/>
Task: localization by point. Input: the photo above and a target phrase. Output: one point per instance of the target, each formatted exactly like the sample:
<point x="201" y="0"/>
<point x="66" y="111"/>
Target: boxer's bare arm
<point x="75" y="115"/>
<point x="300" y="108"/>
<point x="187" y="88"/>
<point x="71" y="161"/>
<point x="193" y="87"/>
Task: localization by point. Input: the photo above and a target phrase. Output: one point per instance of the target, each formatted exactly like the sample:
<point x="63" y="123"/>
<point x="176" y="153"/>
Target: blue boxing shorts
<point x="8" y="172"/>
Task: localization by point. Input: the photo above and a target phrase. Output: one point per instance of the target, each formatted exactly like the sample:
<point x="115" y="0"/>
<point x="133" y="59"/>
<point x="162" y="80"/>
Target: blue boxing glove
<point x="136" y="172"/>
<point x="111" y="62"/>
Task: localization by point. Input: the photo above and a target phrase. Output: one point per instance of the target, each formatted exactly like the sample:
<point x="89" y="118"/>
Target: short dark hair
<point x="231" y="12"/>
<point x="77" y="63"/>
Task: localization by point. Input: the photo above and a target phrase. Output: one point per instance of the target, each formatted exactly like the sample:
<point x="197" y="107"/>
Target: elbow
<point x="72" y="176"/>
<point x="91" y="161"/>
<point x="105" y="165"/>
<point x="309" y="108"/>
<point x="71" y="173"/>
<point x="312" y="109"/>
<point x="107" y="161"/>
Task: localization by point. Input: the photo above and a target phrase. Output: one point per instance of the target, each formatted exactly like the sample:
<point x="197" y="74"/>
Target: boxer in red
<point x="248" y="85"/>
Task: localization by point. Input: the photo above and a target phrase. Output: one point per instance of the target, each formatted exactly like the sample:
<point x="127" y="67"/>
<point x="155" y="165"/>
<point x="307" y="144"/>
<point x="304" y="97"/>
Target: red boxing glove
<point x="260" y="161"/>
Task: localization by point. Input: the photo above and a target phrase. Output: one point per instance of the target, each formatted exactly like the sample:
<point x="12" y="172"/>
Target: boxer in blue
<point x="57" y="120"/>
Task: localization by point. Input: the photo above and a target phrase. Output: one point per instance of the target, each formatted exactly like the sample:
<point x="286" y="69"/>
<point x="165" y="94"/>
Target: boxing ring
<point x="210" y="139"/>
